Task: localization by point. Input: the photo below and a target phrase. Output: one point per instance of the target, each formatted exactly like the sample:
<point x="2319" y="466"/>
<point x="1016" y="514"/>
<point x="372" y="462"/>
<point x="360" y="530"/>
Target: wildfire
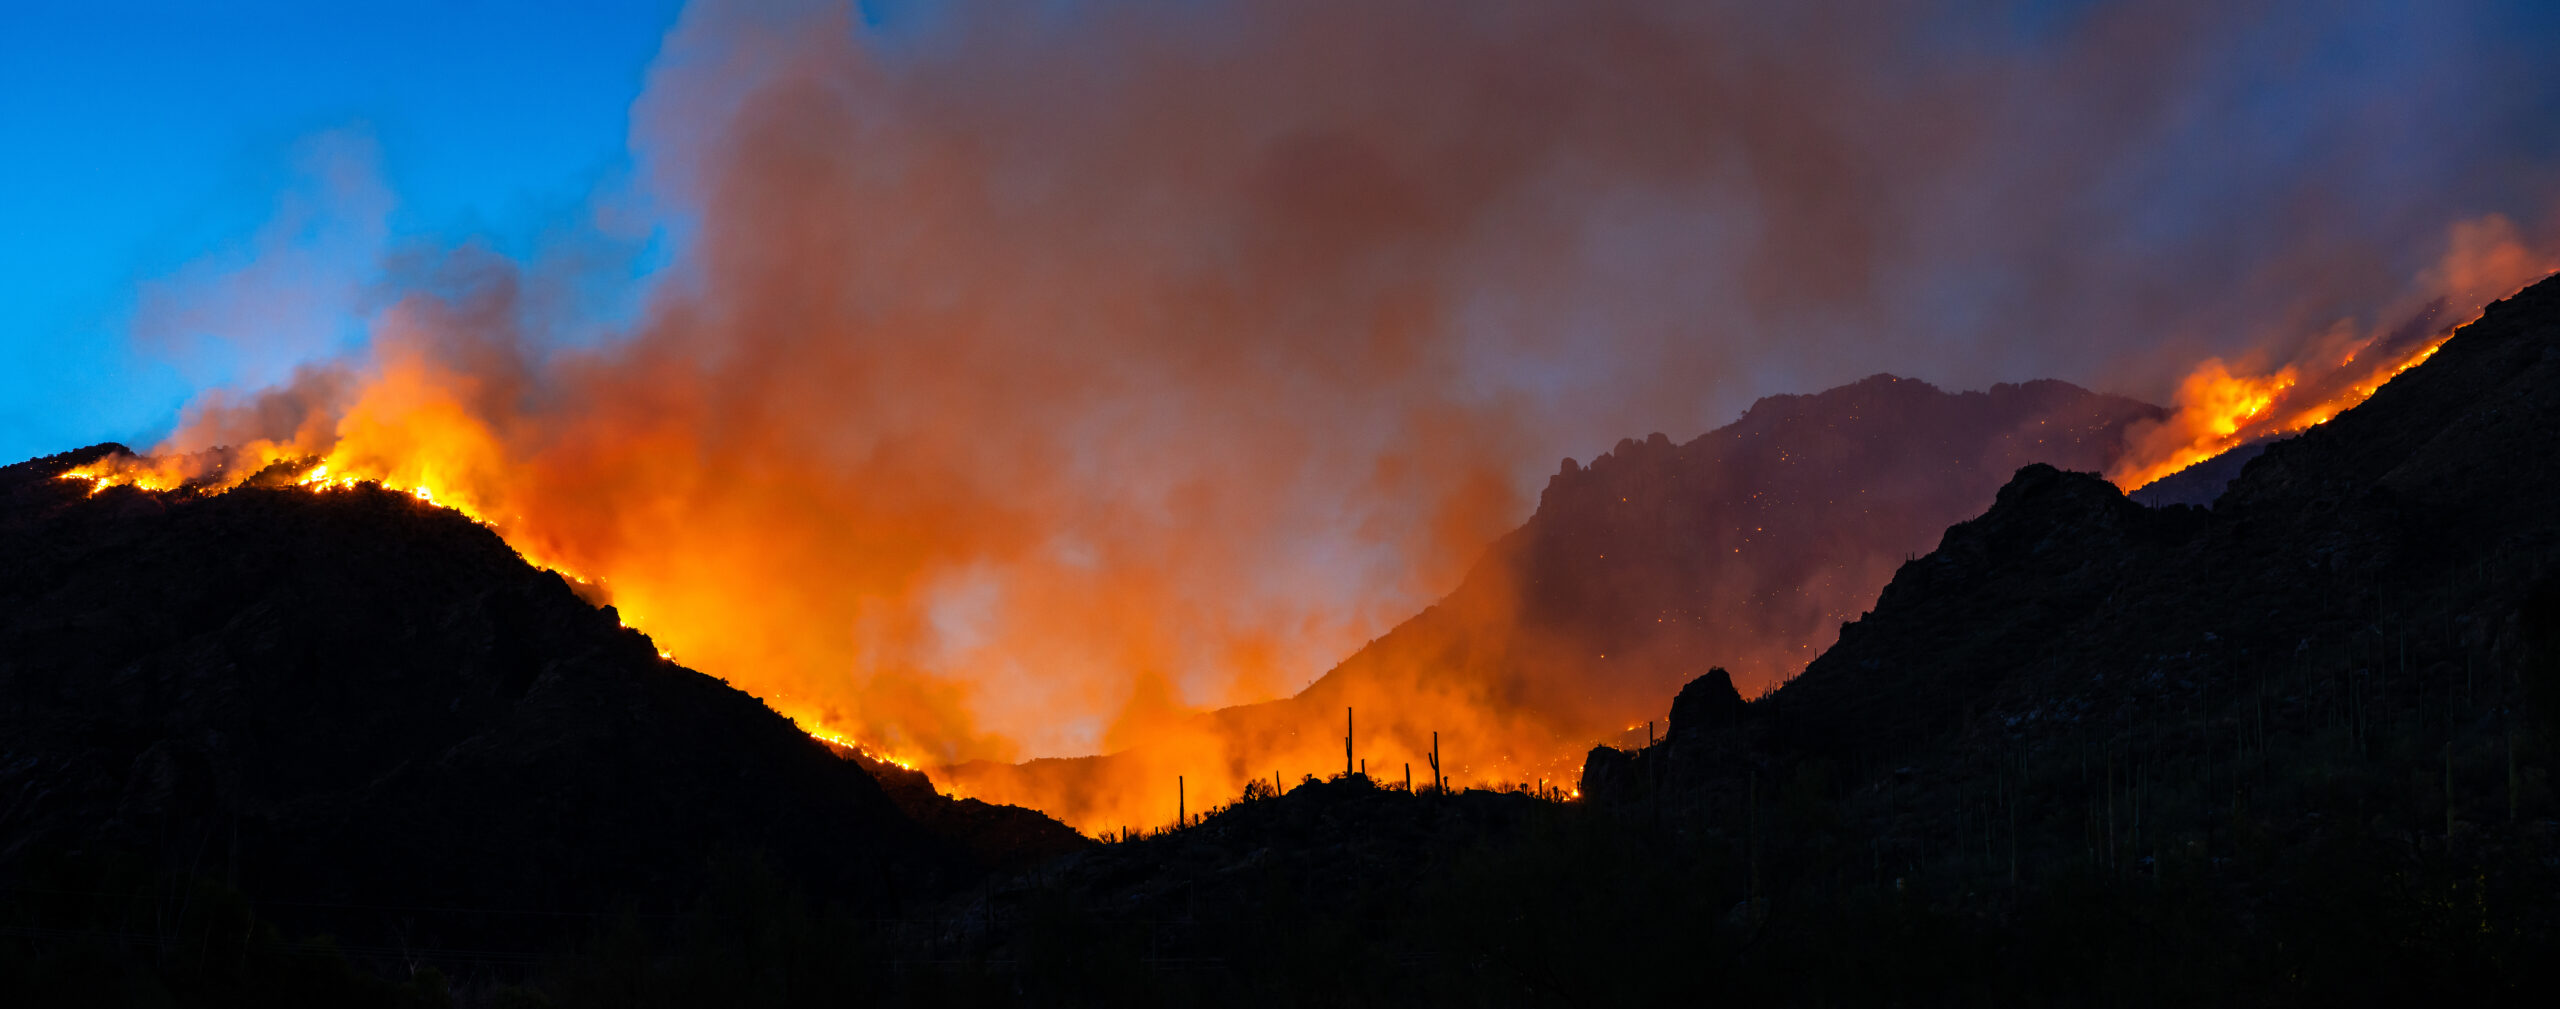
<point x="850" y="743"/>
<point x="846" y="744"/>
<point x="2220" y="406"/>
<point x="672" y="565"/>
<point x="216" y="473"/>
<point x="121" y="471"/>
<point x="2219" y="409"/>
<point x="983" y="470"/>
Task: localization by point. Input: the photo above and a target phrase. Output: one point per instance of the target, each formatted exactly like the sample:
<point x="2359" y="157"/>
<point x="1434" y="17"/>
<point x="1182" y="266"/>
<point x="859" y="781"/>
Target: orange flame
<point x="219" y="472"/>
<point x="2220" y="406"/>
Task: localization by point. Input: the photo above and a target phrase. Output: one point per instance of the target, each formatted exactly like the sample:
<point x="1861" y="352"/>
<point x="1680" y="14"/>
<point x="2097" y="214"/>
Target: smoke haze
<point x="1022" y="376"/>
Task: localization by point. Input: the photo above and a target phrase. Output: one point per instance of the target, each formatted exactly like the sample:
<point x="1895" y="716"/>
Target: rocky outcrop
<point x="1705" y="705"/>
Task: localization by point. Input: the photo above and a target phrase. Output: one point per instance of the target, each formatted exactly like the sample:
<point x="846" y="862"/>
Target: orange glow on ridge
<point x="2221" y="405"/>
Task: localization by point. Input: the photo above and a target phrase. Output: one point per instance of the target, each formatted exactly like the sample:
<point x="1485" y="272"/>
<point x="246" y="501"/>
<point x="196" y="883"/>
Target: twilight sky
<point x="145" y="137"/>
<point x="150" y="143"/>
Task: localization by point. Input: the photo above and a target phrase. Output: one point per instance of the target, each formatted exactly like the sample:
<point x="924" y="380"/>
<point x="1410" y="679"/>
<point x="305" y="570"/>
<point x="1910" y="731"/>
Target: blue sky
<point x="142" y="138"/>
<point x="150" y="142"/>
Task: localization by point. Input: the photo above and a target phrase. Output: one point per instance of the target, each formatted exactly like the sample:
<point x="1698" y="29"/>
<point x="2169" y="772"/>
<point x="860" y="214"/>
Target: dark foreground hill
<point x="2395" y="554"/>
<point x="367" y="716"/>
<point x="2291" y="748"/>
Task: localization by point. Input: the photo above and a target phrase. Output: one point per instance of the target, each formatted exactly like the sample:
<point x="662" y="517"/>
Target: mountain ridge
<point x="352" y="699"/>
<point x="1742" y="548"/>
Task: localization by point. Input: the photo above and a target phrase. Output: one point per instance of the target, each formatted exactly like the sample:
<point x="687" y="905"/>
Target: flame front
<point x="2218" y="409"/>
<point x="218" y="472"/>
<point x="2221" y="405"/>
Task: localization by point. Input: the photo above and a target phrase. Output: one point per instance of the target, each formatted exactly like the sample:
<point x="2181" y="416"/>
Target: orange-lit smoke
<point x="1027" y="385"/>
<point x="2222" y="405"/>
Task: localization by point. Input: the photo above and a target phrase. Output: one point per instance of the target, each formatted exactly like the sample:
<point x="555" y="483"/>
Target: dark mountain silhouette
<point x="1745" y="548"/>
<point x="360" y="708"/>
<point x="1752" y="542"/>
<point x="2404" y="537"/>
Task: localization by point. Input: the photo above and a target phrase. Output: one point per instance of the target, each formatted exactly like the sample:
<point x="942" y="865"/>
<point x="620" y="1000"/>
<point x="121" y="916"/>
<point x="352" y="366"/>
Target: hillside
<point x="2310" y="725"/>
<point x="2400" y="541"/>
<point x="370" y="716"/>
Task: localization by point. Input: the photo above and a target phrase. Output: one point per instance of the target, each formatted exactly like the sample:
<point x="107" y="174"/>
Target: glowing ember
<point x="847" y="744"/>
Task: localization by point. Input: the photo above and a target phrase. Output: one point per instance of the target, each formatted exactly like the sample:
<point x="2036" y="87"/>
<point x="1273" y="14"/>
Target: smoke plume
<point x="1027" y="376"/>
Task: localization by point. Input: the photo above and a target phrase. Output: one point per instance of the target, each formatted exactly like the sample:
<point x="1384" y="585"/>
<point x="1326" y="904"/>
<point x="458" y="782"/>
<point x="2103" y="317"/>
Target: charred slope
<point x="2201" y="483"/>
<point x="350" y="701"/>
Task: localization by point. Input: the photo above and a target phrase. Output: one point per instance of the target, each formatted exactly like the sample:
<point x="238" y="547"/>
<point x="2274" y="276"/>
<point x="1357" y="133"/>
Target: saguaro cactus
<point x="2448" y="796"/>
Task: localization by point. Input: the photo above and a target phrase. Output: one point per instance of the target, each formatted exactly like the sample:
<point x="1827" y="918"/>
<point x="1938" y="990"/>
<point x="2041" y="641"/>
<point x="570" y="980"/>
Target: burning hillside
<point x="368" y="708"/>
<point x="1744" y="548"/>
<point x="2222" y="405"/>
<point x="979" y="417"/>
<point x="2075" y="717"/>
<point x="910" y="502"/>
